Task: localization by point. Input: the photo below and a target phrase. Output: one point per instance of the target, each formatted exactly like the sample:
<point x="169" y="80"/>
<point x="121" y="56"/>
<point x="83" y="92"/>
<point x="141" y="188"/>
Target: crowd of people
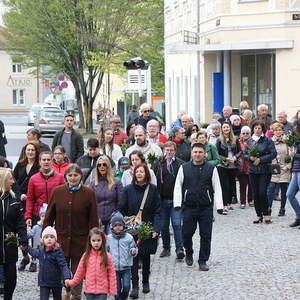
<point x="97" y="216"/>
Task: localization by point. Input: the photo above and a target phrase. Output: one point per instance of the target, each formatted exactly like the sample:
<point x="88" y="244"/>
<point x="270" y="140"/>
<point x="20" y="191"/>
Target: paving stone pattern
<point x="248" y="261"/>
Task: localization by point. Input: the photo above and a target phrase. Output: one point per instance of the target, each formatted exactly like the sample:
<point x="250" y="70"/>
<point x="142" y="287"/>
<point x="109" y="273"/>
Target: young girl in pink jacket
<point x="97" y="267"/>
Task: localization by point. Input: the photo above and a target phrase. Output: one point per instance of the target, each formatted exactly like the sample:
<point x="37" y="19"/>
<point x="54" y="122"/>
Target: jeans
<point x="167" y="212"/>
<point x="272" y="191"/>
<point x="95" y="296"/>
<point x="45" y="292"/>
<point x="145" y="269"/>
<point x="192" y="217"/>
<point x="123" y="284"/>
<point x="293" y="189"/>
<point x="259" y="184"/>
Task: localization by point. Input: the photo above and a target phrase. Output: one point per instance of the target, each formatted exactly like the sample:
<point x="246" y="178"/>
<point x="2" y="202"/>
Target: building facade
<point x="220" y="52"/>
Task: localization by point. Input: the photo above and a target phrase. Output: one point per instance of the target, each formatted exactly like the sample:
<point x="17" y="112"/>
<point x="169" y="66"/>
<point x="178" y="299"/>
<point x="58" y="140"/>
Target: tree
<point x="80" y="38"/>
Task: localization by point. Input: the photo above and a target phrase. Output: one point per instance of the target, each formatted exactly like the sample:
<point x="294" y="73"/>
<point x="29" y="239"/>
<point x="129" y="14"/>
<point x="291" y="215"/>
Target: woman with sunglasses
<point x="129" y="206"/>
<point x="107" y="146"/>
<point x="243" y="175"/>
<point x="136" y="158"/>
<point x="72" y="208"/>
<point x="108" y="190"/>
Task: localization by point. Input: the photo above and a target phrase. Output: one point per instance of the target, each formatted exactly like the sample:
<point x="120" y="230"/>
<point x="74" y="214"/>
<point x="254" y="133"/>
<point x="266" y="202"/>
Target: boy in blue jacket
<point x="52" y="265"/>
<point x="122" y="247"/>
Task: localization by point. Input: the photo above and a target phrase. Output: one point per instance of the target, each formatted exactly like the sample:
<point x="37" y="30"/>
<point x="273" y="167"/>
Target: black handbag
<point x="148" y="246"/>
<point x="275" y="169"/>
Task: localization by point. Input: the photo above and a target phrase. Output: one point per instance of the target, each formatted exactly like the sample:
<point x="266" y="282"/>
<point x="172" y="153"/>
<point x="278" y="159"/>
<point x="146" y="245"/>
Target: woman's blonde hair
<point x="4" y="174"/>
<point x="109" y="173"/>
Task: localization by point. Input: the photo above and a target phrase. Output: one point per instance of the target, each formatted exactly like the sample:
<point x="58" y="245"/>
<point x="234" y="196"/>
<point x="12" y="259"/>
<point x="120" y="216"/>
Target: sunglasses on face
<point x="102" y="165"/>
<point x="245" y="133"/>
<point x="146" y="111"/>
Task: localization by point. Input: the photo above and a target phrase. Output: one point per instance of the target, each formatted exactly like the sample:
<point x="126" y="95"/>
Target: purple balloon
<point x="61" y="77"/>
<point x="64" y="84"/>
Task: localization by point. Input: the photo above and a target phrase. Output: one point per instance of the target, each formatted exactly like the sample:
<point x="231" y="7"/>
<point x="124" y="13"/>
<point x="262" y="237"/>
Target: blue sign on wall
<point x="218" y="91"/>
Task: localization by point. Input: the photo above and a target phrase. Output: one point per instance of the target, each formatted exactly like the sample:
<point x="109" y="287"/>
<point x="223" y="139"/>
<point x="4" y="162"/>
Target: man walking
<point x="196" y="189"/>
<point x="70" y="139"/>
<point x="166" y="175"/>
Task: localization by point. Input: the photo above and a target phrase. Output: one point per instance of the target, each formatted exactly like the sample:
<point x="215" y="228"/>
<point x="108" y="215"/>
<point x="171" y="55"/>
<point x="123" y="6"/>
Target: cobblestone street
<point x="247" y="262"/>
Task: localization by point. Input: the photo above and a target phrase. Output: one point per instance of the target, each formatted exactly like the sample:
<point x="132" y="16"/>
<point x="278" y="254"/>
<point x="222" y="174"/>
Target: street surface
<point x="247" y="261"/>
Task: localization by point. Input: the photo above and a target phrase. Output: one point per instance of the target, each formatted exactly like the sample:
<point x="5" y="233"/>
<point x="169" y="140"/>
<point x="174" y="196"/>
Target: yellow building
<point x="219" y="52"/>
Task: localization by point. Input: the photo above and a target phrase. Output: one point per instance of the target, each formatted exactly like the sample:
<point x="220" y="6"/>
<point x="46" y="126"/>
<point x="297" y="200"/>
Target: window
<point x="17" y="68"/>
<point x="18" y="97"/>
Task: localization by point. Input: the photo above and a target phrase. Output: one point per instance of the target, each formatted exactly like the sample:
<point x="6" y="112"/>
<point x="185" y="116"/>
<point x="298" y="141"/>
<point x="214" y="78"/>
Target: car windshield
<point x="53" y="114"/>
<point x="35" y="108"/>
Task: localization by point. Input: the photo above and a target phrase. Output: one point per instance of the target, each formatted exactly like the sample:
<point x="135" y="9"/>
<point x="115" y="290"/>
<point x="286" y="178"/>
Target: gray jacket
<point x="35" y="234"/>
<point x="120" y="248"/>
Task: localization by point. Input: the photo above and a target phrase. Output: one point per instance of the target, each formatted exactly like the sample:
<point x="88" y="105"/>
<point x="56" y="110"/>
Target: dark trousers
<point x="259" y="184"/>
<point x="145" y="259"/>
<point x="272" y="191"/>
<point x="227" y="179"/>
<point x="123" y="284"/>
<point x="10" y="280"/>
<point x="244" y="184"/>
<point x="192" y="217"/>
<point x="45" y="293"/>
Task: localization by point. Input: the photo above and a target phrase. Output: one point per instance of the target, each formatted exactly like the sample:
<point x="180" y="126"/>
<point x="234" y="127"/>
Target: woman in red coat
<point x="72" y="208"/>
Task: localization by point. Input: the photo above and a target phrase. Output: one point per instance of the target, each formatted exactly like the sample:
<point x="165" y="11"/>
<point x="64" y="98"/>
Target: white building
<point x="219" y="52"/>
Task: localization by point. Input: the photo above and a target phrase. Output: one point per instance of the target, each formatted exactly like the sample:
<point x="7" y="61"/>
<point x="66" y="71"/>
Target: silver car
<point x="49" y="120"/>
<point x="34" y="110"/>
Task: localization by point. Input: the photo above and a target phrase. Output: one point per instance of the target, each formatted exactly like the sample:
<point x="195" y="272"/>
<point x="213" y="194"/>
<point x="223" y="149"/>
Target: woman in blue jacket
<point x="260" y="169"/>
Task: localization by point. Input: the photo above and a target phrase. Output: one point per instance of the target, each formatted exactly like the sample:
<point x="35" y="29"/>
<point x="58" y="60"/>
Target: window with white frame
<point x="16" y="68"/>
<point x="18" y="97"/>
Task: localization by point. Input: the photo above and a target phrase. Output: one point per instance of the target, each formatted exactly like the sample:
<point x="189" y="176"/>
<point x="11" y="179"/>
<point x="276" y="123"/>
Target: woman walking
<point x="72" y="208"/>
<point x="12" y="224"/>
<point x="129" y="206"/>
<point x="229" y="151"/>
<point x="108" y="190"/>
<point x="260" y="153"/>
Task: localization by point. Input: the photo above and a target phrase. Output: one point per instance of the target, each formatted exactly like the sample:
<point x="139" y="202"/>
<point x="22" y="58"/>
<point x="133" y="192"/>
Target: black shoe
<point x="281" y="212"/>
<point x="24" y="262"/>
<point x="295" y="223"/>
<point x="258" y="220"/>
<point x="165" y="252"/>
<point x="180" y="253"/>
<point x="189" y="260"/>
<point x="32" y="267"/>
<point x="134" y="293"/>
<point x="146" y="288"/>
<point x="203" y="266"/>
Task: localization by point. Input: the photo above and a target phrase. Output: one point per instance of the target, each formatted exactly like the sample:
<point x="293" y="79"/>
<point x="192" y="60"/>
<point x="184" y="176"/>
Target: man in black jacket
<point x="166" y="175"/>
<point x="197" y="187"/>
<point x="70" y="139"/>
<point x="183" y="147"/>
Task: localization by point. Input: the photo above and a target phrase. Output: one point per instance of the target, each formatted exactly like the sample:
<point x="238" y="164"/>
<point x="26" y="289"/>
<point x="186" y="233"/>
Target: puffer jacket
<point x="39" y="192"/>
<point x="285" y="168"/>
<point x="60" y="168"/>
<point x="267" y="152"/>
<point x="119" y="248"/>
<point x="98" y="280"/>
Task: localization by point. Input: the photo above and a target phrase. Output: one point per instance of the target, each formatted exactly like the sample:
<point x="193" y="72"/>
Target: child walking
<point x="35" y="234"/>
<point x="53" y="265"/>
<point x="97" y="267"/>
<point x="122" y="247"/>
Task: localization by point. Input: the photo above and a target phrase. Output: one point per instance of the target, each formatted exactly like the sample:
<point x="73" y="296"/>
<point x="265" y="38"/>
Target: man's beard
<point x="141" y="143"/>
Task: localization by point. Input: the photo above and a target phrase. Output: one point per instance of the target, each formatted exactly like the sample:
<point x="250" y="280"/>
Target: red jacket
<point x="39" y="192"/>
<point x="162" y="138"/>
<point x="60" y="168"/>
<point x="98" y="280"/>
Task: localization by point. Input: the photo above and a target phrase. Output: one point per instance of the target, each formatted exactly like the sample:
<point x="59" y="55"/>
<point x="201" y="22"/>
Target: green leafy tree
<point x="82" y="39"/>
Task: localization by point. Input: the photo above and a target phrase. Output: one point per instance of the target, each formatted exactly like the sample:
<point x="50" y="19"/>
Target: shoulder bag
<point x="132" y="221"/>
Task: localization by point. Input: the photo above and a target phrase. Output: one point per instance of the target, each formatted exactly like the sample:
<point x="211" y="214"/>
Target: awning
<point x="184" y="48"/>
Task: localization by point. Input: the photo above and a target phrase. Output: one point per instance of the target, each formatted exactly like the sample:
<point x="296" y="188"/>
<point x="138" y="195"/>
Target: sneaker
<point x="242" y="206"/>
<point x="189" y="260"/>
<point x="24" y="262"/>
<point x="165" y="252"/>
<point x="180" y="253"/>
<point x="251" y="204"/>
<point x="225" y="211"/>
<point x="203" y="266"/>
<point x="134" y="293"/>
<point x="32" y="267"/>
<point x="146" y="288"/>
<point x="295" y="223"/>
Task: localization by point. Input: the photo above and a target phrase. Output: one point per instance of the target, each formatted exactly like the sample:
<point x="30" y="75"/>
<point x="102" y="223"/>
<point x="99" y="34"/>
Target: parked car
<point x="49" y="120"/>
<point x="34" y="110"/>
